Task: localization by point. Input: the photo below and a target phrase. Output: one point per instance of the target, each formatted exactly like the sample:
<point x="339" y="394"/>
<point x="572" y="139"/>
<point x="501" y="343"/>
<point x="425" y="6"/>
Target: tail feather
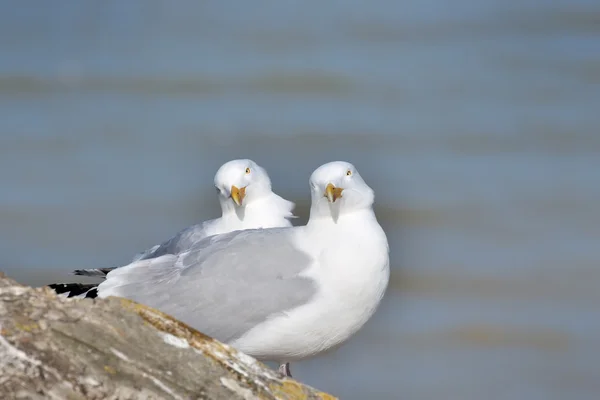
<point x="102" y="272"/>
<point x="82" y="290"/>
<point x="123" y="282"/>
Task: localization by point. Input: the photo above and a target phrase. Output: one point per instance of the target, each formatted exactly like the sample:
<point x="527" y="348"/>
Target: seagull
<point x="280" y="294"/>
<point x="247" y="202"/>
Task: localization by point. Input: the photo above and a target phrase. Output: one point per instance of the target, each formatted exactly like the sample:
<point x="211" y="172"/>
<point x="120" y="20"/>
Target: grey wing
<point x="225" y="285"/>
<point x="182" y="241"/>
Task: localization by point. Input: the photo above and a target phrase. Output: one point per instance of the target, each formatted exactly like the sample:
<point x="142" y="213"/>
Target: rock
<point x="57" y="348"/>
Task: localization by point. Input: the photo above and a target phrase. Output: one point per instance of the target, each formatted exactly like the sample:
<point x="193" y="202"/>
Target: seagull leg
<point x="284" y="369"/>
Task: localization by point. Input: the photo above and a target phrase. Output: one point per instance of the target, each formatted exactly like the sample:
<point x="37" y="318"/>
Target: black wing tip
<point x="92" y="271"/>
<point x="58" y="287"/>
<point x="75" y="289"/>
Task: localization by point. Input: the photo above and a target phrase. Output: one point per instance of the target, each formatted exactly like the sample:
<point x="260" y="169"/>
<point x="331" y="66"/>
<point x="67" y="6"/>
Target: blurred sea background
<point x="476" y="122"/>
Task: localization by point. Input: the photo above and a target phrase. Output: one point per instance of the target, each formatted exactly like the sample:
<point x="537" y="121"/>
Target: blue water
<point x="476" y="123"/>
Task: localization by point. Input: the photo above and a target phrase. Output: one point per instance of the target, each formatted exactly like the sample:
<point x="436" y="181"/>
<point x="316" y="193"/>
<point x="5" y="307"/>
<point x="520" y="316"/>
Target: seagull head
<point x="336" y="189"/>
<point x="240" y="182"/>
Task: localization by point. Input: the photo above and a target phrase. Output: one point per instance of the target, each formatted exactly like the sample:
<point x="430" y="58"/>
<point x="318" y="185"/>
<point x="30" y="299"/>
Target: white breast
<point x="352" y="272"/>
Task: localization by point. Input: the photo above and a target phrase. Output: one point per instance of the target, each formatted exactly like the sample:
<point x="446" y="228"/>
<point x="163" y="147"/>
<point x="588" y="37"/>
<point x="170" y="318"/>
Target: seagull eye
<point x="348" y="173"/>
<point x="218" y="190"/>
<point x="247" y="170"/>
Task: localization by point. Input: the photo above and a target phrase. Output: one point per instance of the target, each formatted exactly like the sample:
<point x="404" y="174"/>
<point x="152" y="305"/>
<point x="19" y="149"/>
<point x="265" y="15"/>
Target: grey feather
<point x="225" y="284"/>
<point x="93" y="271"/>
<point x="178" y="243"/>
<point x="182" y="241"/>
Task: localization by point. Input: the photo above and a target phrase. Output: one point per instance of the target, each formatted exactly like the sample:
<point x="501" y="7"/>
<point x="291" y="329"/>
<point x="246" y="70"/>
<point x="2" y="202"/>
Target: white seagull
<point x="282" y="294"/>
<point x="247" y="202"/>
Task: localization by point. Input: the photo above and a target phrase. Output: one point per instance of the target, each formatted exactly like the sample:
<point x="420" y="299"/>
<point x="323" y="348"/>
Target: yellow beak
<point x="332" y="193"/>
<point x="237" y="195"/>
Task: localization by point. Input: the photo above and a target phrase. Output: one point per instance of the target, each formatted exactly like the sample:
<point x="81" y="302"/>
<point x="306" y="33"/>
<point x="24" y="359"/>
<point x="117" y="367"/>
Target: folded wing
<point x="224" y="285"/>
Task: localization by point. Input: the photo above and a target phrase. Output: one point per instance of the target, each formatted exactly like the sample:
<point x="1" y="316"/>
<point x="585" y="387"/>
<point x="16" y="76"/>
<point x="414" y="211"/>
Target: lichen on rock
<point x="52" y="347"/>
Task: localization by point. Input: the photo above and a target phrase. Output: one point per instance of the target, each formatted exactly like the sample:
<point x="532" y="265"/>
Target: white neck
<point x="320" y="220"/>
<point x="267" y="211"/>
<point x="356" y="232"/>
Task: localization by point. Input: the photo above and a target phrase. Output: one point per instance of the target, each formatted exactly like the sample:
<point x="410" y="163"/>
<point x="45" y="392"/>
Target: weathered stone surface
<point x="56" y="348"/>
